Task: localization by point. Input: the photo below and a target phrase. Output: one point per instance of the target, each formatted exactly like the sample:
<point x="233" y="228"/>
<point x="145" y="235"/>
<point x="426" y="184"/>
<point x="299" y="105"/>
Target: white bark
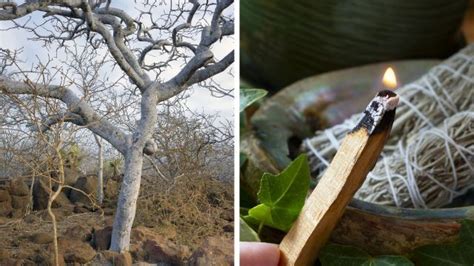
<point x="100" y="171"/>
<point x="127" y="202"/>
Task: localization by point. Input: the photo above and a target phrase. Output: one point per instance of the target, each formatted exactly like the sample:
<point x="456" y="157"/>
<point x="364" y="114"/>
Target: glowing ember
<point x="389" y="79"/>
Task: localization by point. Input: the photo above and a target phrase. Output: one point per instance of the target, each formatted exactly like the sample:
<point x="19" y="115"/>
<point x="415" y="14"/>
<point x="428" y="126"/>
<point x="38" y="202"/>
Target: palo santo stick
<point x="356" y="156"/>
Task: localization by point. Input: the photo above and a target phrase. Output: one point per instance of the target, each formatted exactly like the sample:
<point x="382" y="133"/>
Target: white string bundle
<point x="429" y="158"/>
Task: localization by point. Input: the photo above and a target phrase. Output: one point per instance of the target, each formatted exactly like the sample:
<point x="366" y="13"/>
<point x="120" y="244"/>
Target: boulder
<point x="41" y="194"/>
<point x="111" y="258"/>
<point x="228" y="228"/>
<point x="151" y="247"/>
<point x="5" y="196"/>
<point x="214" y="251"/>
<point x="20" y="206"/>
<point x="87" y="184"/>
<point x="42" y="238"/>
<point x="20" y="202"/>
<point x="102" y="238"/>
<point x="80" y="208"/>
<point x="18" y="187"/>
<point x="70" y="176"/>
<point x="70" y="179"/>
<point x="74" y="251"/>
<point x="161" y="252"/>
<point x="5" y="208"/>
<point x="79" y="232"/>
<point x="16" y="214"/>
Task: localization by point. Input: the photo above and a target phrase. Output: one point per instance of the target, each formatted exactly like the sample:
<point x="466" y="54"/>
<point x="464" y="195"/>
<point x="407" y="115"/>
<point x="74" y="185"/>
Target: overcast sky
<point x="201" y="99"/>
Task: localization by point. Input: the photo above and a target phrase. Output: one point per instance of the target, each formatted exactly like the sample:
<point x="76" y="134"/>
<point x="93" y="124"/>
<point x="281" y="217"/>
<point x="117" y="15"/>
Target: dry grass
<point x="188" y="211"/>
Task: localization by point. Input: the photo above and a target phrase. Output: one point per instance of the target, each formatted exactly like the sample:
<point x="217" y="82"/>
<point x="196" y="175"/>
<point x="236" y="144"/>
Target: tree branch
<point x="115" y="136"/>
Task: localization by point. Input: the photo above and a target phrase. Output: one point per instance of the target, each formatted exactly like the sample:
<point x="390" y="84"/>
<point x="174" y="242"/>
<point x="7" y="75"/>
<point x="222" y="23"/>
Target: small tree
<point x="178" y="35"/>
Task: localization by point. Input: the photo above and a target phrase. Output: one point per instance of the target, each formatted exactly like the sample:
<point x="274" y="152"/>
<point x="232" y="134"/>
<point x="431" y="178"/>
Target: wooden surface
<point x="326" y="204"/>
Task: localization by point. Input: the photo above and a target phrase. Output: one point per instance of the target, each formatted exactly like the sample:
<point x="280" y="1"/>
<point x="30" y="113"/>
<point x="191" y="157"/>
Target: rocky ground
<point x="163" y="233"/>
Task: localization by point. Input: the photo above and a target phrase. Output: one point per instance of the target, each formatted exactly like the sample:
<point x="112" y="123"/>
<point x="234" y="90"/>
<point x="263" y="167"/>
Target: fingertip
<point x="259" y="253"/>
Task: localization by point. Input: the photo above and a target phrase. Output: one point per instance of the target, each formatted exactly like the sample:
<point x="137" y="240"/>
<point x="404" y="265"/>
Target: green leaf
<point x="247" y="233"/>
<point x="282" y="196"/>
<point x="249" y="96"/>
<point x="460" y="253"/>
<point x="335" y="255"/>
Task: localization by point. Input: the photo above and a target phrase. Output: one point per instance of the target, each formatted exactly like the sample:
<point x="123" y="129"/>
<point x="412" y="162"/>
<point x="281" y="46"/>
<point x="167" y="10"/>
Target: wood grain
<point x="326" y="204"/>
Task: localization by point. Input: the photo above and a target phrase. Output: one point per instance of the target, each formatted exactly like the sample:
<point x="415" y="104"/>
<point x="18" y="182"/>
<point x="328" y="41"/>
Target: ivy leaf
<point x="282" y="196"/>
<point x="460" y="253"/>
<point x="249" y="96"/>
<point x="247" y="233"/>
<point x="336" y="255"/>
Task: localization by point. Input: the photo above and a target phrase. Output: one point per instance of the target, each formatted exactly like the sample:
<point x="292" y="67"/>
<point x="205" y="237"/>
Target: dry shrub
<point x="188" y="210"/>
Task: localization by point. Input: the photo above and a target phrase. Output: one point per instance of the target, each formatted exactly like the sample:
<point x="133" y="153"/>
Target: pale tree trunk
<point x="100" y="173"/>
<point x="130" y="188"/>
<point x="127" y="202"/>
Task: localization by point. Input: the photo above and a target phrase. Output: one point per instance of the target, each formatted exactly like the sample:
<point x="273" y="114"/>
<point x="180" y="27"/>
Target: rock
<point x="102" y="238"/>
<point x="116" y="259"/>
<point x="214" y="251"/>
<point x="46" y="257"/>
<point x="5" y="196"/>
<point x="88" y="184"/>
<point x="5" y="208"/>
<point x="79" y="232"/>
<point x="154" y="248"/>
<point x="75" y="251"/>
<point x="18" y="187"/>
<point x="42" y="238"/>
<point x="20" y="205"/>
<point x="228" y="228"/>
<point x="70" y="176"/>
<point x="161" y="252"/>
<point x="61" y="201"/>
<point x="17" y="213"/>
<point x="20" y="202"/>
<point x="80" y="208"/>
<point x="41" y="193"/>
<point x="70" y="179"/>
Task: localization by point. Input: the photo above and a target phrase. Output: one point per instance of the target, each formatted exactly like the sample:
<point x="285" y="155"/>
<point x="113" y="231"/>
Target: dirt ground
<point x="188" y="223"/>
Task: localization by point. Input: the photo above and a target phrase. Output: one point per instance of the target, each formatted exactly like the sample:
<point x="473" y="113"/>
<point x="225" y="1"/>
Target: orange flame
<point x="389" y="79"/>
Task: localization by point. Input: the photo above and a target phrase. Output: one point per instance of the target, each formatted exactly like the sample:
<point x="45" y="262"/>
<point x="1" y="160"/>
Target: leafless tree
<point x="188" y="141"/>
<point x="163" y="37"/>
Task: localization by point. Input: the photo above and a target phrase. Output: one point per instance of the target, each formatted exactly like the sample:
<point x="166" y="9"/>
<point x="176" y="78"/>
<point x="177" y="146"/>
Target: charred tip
<point x="380" y="112"/>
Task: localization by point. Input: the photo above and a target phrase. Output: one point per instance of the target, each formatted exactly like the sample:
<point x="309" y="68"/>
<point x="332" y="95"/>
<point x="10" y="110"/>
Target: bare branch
<point x="91" y="119"/>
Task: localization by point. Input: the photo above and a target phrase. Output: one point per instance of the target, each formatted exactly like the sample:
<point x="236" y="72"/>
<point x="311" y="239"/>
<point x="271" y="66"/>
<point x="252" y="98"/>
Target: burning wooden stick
<point x="356" y="156"/>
